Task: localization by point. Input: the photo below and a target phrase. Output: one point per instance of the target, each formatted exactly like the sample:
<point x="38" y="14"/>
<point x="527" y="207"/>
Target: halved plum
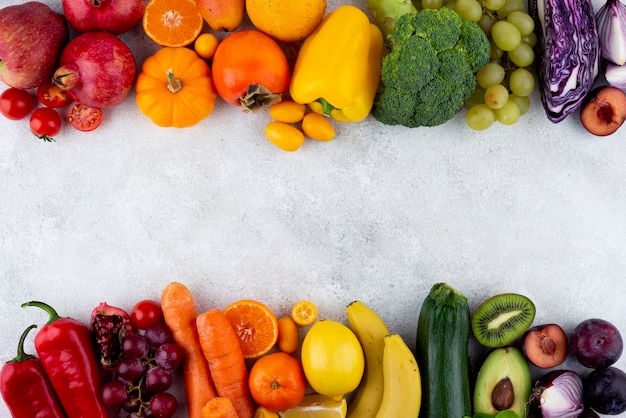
<point x="604" y="111"/>
<point x="545" y="346"/>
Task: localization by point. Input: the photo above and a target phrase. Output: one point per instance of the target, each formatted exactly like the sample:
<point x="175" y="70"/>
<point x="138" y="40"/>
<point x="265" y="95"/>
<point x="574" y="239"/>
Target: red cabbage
<point x="568" y="53"/>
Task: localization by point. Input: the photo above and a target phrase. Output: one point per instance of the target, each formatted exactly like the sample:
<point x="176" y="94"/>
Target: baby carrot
<point x="222" y="350"/>
<point x="179" y="312"/>
<point x="219" y="408"/>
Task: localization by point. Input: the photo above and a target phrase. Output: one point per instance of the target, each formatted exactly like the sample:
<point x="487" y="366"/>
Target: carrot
<point x="179" y="312"/>
<point x="222" y="351"/>
<point x="219" y="408"/>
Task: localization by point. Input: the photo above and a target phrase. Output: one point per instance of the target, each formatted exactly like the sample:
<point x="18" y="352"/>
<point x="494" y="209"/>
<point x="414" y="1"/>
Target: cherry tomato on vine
<point x="45" y="122"/>
<point x="245" y="61"/>
<point x="146" y="313"/>
<point x="85" y="118"/>
<point x="15" y="103"/>
<point x="52" y="96"/>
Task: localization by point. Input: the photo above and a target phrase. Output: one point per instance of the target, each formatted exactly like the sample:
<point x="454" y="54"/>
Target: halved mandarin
<point x="172" y="23"/>
<point x="255" y="324"/>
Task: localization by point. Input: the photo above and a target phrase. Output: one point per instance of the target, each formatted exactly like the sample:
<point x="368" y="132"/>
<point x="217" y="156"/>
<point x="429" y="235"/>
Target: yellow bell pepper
<point x="338" y="66"/>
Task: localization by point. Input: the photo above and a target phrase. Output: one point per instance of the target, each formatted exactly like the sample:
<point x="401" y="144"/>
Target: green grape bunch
<point x="506" y="82"/>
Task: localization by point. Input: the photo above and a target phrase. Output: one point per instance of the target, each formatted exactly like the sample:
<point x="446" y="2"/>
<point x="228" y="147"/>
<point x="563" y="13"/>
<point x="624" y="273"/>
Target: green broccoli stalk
<point x="386" y="12"/>
<point x="429" y="72"/>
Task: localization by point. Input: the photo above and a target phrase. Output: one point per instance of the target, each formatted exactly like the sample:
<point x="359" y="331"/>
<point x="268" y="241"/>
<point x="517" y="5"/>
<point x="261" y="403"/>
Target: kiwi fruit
<point x="501" y="319"/>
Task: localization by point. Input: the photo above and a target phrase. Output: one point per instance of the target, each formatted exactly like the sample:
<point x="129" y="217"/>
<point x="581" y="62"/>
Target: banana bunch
<point x="391" y="385"/>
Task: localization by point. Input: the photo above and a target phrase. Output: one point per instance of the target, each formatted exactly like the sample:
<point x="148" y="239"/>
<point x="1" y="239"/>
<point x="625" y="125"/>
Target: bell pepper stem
<point x="21" y="355"/>
<point x="327" y="108"/>
<point x="49" y="309"/>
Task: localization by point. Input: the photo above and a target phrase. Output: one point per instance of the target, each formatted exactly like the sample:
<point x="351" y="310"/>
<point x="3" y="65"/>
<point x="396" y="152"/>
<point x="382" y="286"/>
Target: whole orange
<point x="277" y="381"/>
<point x="286" y="20"/>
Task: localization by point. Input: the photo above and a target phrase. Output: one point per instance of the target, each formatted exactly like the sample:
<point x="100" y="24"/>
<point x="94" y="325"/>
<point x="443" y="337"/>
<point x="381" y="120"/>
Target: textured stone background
<point x="379" y="214"/>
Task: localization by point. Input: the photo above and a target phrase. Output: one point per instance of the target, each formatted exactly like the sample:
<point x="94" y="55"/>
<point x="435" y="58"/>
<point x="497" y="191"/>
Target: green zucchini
<point x="442" y="354"/>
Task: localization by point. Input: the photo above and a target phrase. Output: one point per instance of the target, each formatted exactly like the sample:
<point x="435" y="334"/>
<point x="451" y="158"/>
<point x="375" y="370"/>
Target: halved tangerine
<point x="304" y="312"/>
<point x="255" y="324"/>
<point x="172" y="23"/>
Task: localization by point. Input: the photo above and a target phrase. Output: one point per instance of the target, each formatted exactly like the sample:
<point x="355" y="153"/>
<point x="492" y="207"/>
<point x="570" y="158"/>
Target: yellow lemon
<point x="317" y="406"/>
<point x="332" y="358"/>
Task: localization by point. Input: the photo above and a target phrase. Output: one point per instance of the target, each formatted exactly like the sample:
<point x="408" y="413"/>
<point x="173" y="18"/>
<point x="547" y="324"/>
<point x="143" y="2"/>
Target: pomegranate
<point x="115" y="16"/>
<point x="97" y="69"/>
<point x="109" y="326"/>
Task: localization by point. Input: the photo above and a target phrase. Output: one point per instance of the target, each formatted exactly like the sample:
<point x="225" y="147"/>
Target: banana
<point x="402" y="393"/>
<point x="371" y="331"/>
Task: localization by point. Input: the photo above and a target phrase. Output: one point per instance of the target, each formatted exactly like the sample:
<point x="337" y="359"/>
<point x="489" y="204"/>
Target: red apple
<point x="545" y="346"/>
<point x="115" y="16"/>
<point x="605" y="111"/>
<point x="31" y="38"/>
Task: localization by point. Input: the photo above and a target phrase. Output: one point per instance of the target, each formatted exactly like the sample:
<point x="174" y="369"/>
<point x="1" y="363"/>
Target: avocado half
<point x="503" y="383"/>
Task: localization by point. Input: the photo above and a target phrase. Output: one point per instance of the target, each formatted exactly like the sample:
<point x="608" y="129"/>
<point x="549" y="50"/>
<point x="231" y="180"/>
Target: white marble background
<point x="379" y="214"/>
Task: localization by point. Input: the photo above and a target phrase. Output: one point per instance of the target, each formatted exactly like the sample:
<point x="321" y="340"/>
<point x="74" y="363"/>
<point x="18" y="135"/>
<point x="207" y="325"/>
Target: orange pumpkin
<point x="175" y="88"/>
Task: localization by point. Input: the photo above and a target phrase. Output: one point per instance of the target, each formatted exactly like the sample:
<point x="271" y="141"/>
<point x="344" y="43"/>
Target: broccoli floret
<point x="472" y="44"/>
<point x="430" y="71"/>
<point x="392" y="98"/>
<point x="442" y="27"/>
<point x="410" y="65"/>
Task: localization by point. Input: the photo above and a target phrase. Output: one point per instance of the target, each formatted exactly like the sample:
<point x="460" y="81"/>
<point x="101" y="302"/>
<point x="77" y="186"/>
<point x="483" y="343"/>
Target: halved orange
<point x="255" y="324"/>
<point x="172" y="23"/>
<point x="304" y="312"/>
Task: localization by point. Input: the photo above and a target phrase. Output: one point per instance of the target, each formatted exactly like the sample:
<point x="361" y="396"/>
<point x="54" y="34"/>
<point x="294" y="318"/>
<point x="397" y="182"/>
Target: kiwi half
<point x="502" y="318"/>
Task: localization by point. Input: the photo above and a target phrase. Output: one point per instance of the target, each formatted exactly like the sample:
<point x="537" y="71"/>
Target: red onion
<point x="611" y="22"/>
<point x="616" y="75"/>
<point x="559" y="394"/>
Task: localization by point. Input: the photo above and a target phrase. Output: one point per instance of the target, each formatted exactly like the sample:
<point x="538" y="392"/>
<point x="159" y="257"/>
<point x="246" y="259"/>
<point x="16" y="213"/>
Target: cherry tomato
<point x="15" y="103"/>
<point x="248" y="59"/>
<point x="45" y="122"/>
<point x="146" y="313"/>
<point x="85" y="118"/>
<point x="52" y="96"/>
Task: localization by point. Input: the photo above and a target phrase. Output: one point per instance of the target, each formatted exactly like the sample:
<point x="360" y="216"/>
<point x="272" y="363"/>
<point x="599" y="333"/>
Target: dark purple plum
<point x="605" y="391"/>
<point x="596" y="343"/>
<point x="588" y="413"/>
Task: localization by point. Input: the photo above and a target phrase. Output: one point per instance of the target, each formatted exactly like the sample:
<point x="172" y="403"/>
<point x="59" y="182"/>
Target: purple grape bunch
<point x="139" y="383"/>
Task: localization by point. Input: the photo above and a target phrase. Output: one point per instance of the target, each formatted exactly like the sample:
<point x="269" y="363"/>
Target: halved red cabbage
<point x="568" y="53"/>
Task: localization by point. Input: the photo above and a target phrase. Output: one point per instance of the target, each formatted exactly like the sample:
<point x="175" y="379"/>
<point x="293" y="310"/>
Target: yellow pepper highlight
<point x="338" y="67"/>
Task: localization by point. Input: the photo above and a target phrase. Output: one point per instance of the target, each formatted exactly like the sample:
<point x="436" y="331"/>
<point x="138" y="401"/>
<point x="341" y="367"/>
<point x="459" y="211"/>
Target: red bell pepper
<point x="65" y="349"/>
<point x="25" y="387"/>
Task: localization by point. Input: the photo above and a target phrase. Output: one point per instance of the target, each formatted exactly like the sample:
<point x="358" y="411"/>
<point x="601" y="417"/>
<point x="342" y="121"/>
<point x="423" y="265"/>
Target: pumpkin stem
<point x="173" y="84"/>
<point x="257" y="97"/>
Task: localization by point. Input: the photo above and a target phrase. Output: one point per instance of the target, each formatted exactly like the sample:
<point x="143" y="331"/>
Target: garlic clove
<point x="611" y="23"/>
<point x="615" y="75"/>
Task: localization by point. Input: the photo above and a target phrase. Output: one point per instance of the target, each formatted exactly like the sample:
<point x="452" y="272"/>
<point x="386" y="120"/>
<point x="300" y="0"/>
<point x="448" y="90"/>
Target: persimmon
<point x="277" y="381"/>
<point x="250" y="70"/>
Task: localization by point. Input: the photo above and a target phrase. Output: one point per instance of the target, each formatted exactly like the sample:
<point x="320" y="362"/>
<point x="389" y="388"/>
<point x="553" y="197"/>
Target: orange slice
<point x="172" y="23"/>
<point x="304" y="312"/>
<point x="255" y="325"/>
